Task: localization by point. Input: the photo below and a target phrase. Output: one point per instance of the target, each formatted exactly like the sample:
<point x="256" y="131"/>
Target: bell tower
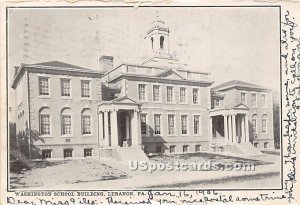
<point x="157" y="42"/>
<point x="157" y="38"/>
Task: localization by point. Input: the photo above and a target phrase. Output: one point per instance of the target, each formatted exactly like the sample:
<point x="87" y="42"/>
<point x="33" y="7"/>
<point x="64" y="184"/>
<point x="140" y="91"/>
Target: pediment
<point x="241" y="106"/>
<point x="124" y="100"/>
<point x="170" y="74"/>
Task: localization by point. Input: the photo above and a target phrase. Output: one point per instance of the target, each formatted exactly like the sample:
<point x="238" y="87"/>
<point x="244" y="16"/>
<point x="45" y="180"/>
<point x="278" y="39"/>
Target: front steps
<point x="245" y="148"/>
<point x="123" y="154"/>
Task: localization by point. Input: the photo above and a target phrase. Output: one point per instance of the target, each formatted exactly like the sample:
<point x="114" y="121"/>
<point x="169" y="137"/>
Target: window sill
<point x="183" y="103"/>
<point x="170" y="103"/>
<point x="67" y="136"/>
<point x="82" y="98"/>
<point x="66" y="97"/>
<point x="87" y="135"/>
<point x="184" y="135"/>
<point x="157" y="102"/>
<point x="46" y="136"/>
<point x="197" y="135"/>
<point x="45" y="96"/>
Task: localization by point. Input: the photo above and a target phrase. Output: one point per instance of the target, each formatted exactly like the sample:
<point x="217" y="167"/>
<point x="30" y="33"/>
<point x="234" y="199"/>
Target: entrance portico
<point x="229" y="126"/>
<point x="119" y="121"/>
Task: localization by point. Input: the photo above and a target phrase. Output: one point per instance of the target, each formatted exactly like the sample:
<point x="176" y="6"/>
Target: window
<point x="158" y="149"/>
<point x="185" y="148"/>
<point x="217" y="103"/>
<point x="65" y="87"/>
<point x="182" y="95"/>
<point x="255" y="144"/>
<point x="184" y="124"/>
<point x="243" y="98"/>
<point x="85" y="89"/>
<point x="156" y="94"/>
<point x="66" y="122"/>
<point x="195" y="96"/>
<point x="171" y="124"/>
<point x="87" y="152"/>
<point x="169" y="94"/>
<point x="44" y="120"/>
<point x="264" y="124"/>
<point x="196" y="124"/>
<point x="266" y="144"/>
<point x="254" y="125"/>
<point x="142" y="92"/>
<point x="263" y="100"/>
<point x="172" y="149"/>
<point x="143" y="124"/>
<point x="161" y="42"/>
<point x="157" y="130"/>
<point x="44" y="86"/>
<point x="68" y="153"/>
<point x="46" y="153"/>
<point x="198" y="148"/>
<point x="45" y="124"/>
<point x="254" y="100"/>
<point x="86" y="124"/>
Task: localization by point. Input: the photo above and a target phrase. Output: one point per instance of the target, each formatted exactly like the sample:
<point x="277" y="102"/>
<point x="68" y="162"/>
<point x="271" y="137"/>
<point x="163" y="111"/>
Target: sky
<point x="230" y="43"/>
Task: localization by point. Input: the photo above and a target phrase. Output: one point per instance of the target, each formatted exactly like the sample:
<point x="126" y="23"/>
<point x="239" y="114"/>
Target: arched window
<point x="86" y="126"/>
<point x="152" y="42"/>
<point x="254" y="123"/>
<point x="161" y="40"/>
<point x="45" y="121"/>
<point x="264" y="123"/>
<point x="66" y="121"/>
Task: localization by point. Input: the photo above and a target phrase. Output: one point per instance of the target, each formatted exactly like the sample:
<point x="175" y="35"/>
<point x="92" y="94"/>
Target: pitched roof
<point x="238" y="83"/>
<point x="54" y="66"/>
<point x="58" y="65"/>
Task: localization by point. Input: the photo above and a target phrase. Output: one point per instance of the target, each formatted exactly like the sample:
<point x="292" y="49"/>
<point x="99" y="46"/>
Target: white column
<point x="234" y="128"/>
<point x="135" y="129"/>
<point x="247" y="127"/>
<point x="100" y="125"/>
<point x="226" y="128"/>
<point x="106" y="128"/>
<point x="243" y="130"/>
<point x="114" y="128"/>
<point x="230" y="128"/>
<point x="210" y="134"/>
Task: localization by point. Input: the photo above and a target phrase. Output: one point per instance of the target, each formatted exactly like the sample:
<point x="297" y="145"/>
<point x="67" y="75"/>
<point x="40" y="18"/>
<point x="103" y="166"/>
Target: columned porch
<point x="228" y="127"/>
<point x="118" y="123"/>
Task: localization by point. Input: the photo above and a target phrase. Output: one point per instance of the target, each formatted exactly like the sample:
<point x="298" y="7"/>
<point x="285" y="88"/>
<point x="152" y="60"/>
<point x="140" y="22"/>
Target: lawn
<point x="43" y="173"/>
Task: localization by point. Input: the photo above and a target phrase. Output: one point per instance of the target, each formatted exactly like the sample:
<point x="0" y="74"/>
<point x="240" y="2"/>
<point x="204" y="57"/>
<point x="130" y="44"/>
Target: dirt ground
<point x="48" y="173"/>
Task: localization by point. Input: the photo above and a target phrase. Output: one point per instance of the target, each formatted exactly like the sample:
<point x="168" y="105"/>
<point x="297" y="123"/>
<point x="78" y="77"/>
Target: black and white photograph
<point x="152" y="98"/>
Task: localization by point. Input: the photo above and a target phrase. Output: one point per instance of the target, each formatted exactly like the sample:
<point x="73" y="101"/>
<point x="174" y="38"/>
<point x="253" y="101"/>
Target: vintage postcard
<point x="150" y="102"/>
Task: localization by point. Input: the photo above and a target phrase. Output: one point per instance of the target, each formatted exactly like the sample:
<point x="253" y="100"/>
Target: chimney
<point x="106" y="63"/>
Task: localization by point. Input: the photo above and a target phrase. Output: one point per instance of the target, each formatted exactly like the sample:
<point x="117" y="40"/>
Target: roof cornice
<point x="153" y="78"/>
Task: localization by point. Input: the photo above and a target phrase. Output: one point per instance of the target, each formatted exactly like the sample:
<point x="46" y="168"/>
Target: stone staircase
<point x="123" y="154"/>
<point x="132" y="153"/>
<point x="247" y="148"/>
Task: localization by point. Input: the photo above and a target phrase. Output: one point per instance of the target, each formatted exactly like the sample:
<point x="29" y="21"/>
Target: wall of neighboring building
<point x="56" y="103"/>
<point x="149" y="107"/>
